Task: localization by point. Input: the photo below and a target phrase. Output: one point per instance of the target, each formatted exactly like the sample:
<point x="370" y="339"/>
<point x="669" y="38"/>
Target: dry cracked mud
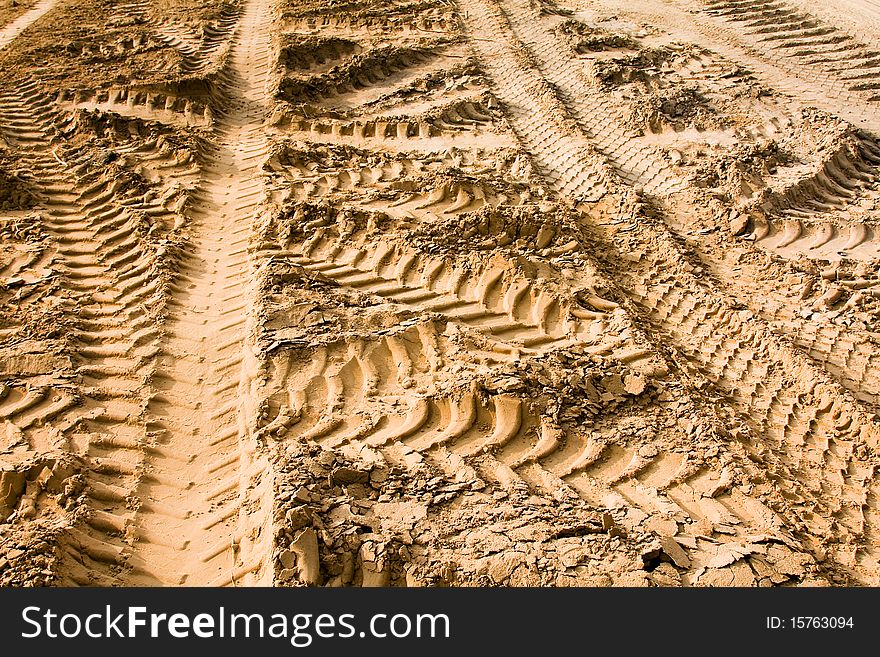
<point x="439" y="293"/>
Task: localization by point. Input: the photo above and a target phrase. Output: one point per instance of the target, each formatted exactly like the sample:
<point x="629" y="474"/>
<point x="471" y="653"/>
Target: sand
<point x="473" y="293"/>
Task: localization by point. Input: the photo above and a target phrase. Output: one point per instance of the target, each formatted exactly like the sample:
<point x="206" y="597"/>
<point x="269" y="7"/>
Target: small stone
<point x="305" y="547"/>
<point x="738" y="223"/>
<point x="296" y="519"/>
<point x="665" y="575"/>
<point x="662" y="526"/>
<point x="607" y="522"/>
<point x="287" y="559"/>
<point x="651" y="554"/>
<point x="634" y="384"/>
<point x="675" y="552"/>
<point x="378" y="475"/>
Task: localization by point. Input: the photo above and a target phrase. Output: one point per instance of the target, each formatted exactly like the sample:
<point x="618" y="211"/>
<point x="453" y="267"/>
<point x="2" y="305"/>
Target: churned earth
<point x="439" y="293"/>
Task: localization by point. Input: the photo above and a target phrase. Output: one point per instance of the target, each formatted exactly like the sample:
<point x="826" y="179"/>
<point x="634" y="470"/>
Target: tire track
<point x="780" y="31"/>
<point x="169" y="411"/>
<point x="507" y="70"/>
<point x="860" y="17"/>
<point x="537" y="116"/>
<point x="854" y="241"/>
<point x="116" y="336"/>
<point x="138" y="103"/>
<point x="365" y="80"/>
<point x="391" y="133"/>
<point x="196" y="49"/>
<point x="191" y="496"/>
<point x="817" y="434"/>
<point x="349" y="397"/>
<point x="405" y="23"/>
<point x="9" y="32"/>
<point x="842" y="178"/>
<point x="845" y="352"/>
<point x="302" y="178"/>
<point x="511" y="310"/>
<point x="595" y="111"/>
<point x="808" y="427"/>
<point x="805" y="210"/>
<point x="793" y="221"/>
<point x="681" y="20"/>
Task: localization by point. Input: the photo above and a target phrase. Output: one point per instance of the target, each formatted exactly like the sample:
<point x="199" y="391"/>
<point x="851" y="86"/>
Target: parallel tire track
<point x="811" y="430"/>
<point x="537" y="116"/>
<point x="782" y="31"/>
<point x="817" y="435"/>
<point x="810" y="87"/>
<point x="595" y="111"/>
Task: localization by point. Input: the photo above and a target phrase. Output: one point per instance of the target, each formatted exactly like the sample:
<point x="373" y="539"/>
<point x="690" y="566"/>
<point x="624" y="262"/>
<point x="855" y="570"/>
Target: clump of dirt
<point x="30" y="556"/>
<point x="356" y="71"/>
<point x="341" y="521"/>
<point x="302" y="53"/>
<point x="86" y="129"/>
<point x="388" y="10"/>
<point x="39" y="499"/>
<point x="740" y="173"/>
<point x="303" y="310"/>
<point x="843" y="290"/>
<point x="462" y="76"/>
<point x="772" y="174"/>
<point x="345" y="522"/>
<point x="576" y="388"/>
<point x="818" y="133"/>
<point x="34" y="485"/>
<point x="299" y="220"/>
<point x="675" y="107"/>
<point x="588" y="38"/>
<point x="550" y="8"/>
<point x="26" y="228"/>
<point x="325" y="157"/>
<point x="16" y="193"/>
<point x="34" y="302"/>
<point x="523" y="229"/>
<point x="639" y="67"/>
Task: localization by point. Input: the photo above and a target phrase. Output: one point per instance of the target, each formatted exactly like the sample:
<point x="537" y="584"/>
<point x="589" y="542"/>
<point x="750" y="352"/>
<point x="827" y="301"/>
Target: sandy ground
<point x="485" y="292"/>
<point x="10" y="10"/>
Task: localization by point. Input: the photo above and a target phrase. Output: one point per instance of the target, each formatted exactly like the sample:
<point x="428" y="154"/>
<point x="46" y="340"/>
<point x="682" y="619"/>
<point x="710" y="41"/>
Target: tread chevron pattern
<point x="289" y="287"/>
<point x="11" y="30"/>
